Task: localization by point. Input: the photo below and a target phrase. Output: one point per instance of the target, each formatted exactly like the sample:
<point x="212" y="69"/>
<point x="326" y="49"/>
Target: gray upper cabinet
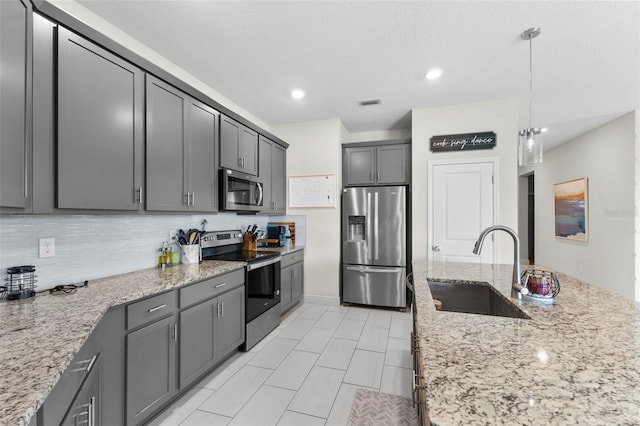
<point x="181" y="145"/>
<point x="272" y="171"/>
<point x="377" y="165"/>
<point x="100" y="127"/>
<point x="202" y="136"/>
<point x="15" y="102"/>
<point x="238" y="146"/>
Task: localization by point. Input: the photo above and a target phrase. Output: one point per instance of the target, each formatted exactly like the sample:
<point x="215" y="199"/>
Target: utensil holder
<point x="191" y="253"/>
<point x="248" y="244"/>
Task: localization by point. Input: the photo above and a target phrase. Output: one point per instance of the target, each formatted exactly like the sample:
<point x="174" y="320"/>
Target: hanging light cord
<point x="530" y="80"/>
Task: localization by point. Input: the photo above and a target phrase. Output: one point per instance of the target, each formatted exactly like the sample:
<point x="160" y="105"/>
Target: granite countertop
<point x="576" y="361"/>
<point x="40" y="336"/>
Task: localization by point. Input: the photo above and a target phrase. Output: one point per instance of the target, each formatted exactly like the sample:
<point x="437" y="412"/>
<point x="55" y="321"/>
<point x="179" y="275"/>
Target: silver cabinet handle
<point x="221" y="285"/>
<point x="157" y="308"/>
<point x="87" y="362"/>
<point x="222" y="305"/>
<point x="217" y="310"/>
<point x="93" y="360"/>
<point x="92" y="411"/>
<point x="193" y="198"/>
<point x="139" y="191"/>
<point x="175" y="331"/>
<point x="239" y="161"/>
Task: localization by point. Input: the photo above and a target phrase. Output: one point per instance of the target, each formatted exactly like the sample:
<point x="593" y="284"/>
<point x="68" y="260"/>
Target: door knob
<point x="435" y="248"/>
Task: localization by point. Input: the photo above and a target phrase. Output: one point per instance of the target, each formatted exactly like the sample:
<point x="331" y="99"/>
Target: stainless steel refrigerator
<point x="374" y="223"/>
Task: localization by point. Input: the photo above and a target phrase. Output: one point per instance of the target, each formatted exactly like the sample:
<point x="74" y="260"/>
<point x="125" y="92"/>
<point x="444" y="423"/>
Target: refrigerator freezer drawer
<point x="372" y="285"/>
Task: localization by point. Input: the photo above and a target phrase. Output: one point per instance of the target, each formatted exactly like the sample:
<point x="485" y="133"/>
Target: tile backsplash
<point x="89" y="247"/>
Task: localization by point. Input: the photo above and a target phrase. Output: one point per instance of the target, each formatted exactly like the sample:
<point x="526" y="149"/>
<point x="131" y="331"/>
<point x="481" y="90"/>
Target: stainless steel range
<point x="262" y="281"/>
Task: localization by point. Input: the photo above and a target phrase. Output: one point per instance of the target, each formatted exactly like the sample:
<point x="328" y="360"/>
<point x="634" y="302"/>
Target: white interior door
<point x="462" y="206"/>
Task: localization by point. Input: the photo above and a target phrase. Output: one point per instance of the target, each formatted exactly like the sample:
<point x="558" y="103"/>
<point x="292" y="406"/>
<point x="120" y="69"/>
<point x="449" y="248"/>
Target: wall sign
<point x="463" y="142"/>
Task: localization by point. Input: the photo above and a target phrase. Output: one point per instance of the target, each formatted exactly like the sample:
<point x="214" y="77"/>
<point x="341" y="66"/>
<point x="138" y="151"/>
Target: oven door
<point x="240" y="191"/>
<point x="262" y="286"/>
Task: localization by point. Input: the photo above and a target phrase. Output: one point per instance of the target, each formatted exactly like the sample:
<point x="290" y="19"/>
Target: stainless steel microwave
<point x="240" y="191"/>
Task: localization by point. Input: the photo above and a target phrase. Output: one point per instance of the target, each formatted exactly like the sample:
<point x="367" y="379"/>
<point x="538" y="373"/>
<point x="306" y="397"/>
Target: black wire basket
<point x="20" y="283"/>
<point x="542" y="285"/>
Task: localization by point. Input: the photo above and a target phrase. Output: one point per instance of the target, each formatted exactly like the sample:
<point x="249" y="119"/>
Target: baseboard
<point x="322" y="300"/>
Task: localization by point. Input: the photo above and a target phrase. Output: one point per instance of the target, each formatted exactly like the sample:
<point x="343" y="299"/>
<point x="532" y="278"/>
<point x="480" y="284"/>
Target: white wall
<point x="499" y="116"/>
<point x="114" y="33"/>
<point x="606" y="156"/>
<point x="315" y="148"/>
<point x="637" y="204"/>
<point x="379" y="135"/>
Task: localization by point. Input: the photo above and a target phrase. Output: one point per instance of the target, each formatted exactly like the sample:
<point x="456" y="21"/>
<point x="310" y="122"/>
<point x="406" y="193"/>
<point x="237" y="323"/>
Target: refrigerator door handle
<point x="370" y="230"/>
<point x="374" y="270"/>
<point x="376" y="226"/>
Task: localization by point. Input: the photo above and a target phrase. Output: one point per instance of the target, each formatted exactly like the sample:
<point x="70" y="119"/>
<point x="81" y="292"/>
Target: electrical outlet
<point x="47" y="247"/>
<point x="172" y="233"/>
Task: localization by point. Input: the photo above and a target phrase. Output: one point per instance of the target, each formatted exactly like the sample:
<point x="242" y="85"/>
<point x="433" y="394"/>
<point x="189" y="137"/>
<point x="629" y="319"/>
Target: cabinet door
<point x="85" y="408"/>
<point x="359" y="165"/>
<point x="264" y="172"/>
<point x="201" y="165"/>
<point x="248" y="151"/>
<point x="151" y="368"/>
<point x="392" y="164"/>
<point x="15" y="101"/>
<point x="286" y="281"/>
<point x="196" y="340"/>
<point x="278" y="178"/>
<point x="230" y="321"/>
<point x="166" y="118"/>
<point x="100" y="105"/>
<point x="229" y="141"/>
<point x="297" y="282"/>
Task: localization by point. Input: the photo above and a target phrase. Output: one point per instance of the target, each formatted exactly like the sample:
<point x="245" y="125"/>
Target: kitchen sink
<point x="473" y="297"/>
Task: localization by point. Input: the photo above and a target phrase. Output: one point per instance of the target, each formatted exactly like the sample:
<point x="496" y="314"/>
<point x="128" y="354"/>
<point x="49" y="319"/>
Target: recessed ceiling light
<point x="297" y="94"/>
<point x="368" y="102"/>
<point x="433" y="74"/>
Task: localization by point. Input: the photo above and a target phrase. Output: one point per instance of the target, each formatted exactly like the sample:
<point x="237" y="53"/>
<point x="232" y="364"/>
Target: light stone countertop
<point x="40" y="336"/>
<point x="576" y="361"/>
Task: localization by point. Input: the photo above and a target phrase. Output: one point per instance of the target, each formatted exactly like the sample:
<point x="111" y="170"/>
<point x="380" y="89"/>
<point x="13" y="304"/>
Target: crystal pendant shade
<point x="530" y="146"/>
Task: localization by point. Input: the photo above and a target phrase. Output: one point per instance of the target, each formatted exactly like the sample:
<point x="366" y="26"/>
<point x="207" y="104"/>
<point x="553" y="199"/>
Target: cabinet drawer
<point x="210" y="288"/>
<point x="291" y="258"/>
<point x="151" y="309"/>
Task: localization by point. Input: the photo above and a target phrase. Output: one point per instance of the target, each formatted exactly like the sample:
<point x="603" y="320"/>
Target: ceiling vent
<point x="368" y="102"/>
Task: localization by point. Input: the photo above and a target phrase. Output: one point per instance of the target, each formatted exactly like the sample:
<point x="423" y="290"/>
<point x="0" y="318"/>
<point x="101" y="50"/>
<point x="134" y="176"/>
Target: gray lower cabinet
<point x="86" y="406"/>
<point x="15" y="102"/>
<point x="100" y="127"/>
<point x="291" y="279"/>
<point x="208" y="332"/>
<point x="151" y="368"/>
<point x="180" y="150"/>
<point x="238" y="146"/>
<point x="377" y="164"/>
<point x="272" y="171"/>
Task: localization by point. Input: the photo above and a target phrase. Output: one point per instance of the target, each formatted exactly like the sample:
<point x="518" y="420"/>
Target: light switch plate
<point x="47" y="247"/>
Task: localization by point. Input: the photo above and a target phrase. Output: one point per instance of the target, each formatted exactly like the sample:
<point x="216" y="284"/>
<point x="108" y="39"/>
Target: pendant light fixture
<point x="530" y="139"/>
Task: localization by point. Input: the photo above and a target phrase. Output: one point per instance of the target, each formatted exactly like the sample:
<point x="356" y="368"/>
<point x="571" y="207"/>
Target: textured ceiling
<point x="586" y="61"/>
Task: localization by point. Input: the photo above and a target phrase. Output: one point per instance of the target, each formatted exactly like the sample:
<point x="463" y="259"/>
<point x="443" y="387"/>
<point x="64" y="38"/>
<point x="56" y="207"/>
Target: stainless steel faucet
<point x="517" y="289"/>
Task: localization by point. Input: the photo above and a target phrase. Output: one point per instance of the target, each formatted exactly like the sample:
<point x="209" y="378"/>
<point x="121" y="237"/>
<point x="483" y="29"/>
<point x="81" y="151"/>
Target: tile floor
<point x="306" y="372"/>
